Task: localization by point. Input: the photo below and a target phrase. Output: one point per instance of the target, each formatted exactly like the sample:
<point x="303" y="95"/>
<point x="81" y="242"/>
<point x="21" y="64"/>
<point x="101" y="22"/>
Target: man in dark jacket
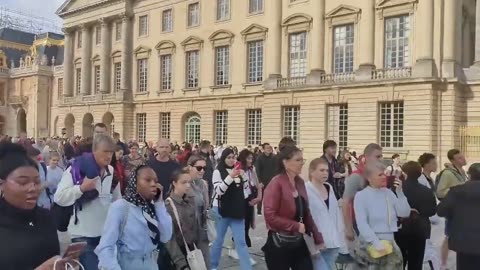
<point x="265" y="166"/>
<point x="460" y="207"/>
<point x="207" y="176"/>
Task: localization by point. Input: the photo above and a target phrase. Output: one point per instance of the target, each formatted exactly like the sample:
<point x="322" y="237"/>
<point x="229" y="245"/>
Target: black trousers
<point x="281" y="259"/>
<point x="248" y="223"/>
<point x="468" y="261"/>
<point x="259" y="205"/>
<point x="413" y="250"/>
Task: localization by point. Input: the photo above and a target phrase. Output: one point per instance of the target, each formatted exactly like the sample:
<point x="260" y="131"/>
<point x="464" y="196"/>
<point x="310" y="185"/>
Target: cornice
<point x="61" y="12"/>
<point x="14" y="45"/>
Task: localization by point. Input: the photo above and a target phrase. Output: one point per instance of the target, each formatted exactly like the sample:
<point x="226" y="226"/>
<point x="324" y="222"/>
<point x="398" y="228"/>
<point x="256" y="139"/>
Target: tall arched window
<point x="192" y="129"/>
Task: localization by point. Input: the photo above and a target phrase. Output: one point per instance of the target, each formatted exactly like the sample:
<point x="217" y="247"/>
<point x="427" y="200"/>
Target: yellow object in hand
<point x="374" y="253"/>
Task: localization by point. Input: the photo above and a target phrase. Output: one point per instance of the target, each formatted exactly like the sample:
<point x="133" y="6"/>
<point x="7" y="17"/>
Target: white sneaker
<point x="232" y="253"/>
<point x="253" y="262"/>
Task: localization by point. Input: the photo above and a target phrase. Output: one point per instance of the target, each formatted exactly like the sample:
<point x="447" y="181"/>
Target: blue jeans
<point x="88" y="258"/>
<point x="237" y="226"/>
<point x="326" y="259"/>
<point x="131" y="261"/>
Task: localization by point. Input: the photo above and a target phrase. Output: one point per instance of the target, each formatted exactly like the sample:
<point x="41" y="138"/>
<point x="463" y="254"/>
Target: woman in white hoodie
<point x="326" y="214"/>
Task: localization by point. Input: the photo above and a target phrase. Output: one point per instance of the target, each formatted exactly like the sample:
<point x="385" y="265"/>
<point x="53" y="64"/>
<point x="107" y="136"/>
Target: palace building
<point x="403" y="73"/>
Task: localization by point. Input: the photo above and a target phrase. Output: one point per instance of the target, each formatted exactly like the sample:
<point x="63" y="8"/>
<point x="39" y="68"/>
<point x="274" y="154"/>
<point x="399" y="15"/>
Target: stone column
<point x="105" y="57"/>
<point x="366" y="54"/>
<point x="86" y="61"/>
<point x="477" y="34"/>
<point x="424" y="66"/>
<point x="449" y="64"/>
<point x="68" y="64"/>
<point x="126" y="74"/>
<point x="318" y="43"/>
<point x="274" y="44"/>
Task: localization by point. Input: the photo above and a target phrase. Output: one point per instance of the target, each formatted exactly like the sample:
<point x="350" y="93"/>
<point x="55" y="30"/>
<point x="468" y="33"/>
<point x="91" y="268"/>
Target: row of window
<point x="396" y="55"/>
<point x="98" y="34"/>
<point x="192" y="68"/>
<point x="193" y="15"/>
<point x="117" y="73"/>
<point x="390" y="132"/>
<point x="397" y="51"/>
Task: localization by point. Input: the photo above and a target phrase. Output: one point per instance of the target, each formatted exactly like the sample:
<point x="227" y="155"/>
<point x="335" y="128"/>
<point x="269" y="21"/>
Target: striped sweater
<point x="220" y="185"/>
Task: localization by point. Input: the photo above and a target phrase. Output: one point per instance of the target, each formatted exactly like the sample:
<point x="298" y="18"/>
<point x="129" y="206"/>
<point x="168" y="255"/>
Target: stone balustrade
<point x="344" y="78"/>
<point x="89" y="98"/>
<point x="4" y="71"/>
<point x="291" y="82"/>
<point x="392" y="73"/>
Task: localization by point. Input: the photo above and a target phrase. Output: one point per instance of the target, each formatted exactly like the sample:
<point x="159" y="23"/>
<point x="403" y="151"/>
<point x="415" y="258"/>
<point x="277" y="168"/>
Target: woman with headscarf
<point x="229" y="184"/>
<point x="135" y="225"/>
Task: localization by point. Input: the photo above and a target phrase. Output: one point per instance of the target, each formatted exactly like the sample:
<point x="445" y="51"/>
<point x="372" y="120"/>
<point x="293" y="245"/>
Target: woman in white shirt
<point x="325" y="212"/>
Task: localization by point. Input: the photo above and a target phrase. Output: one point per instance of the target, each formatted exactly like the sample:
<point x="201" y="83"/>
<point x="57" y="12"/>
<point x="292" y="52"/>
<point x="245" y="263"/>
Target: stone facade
<point x="402" y="73"/>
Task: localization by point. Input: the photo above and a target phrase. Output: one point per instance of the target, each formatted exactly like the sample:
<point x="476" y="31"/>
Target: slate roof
<point x="16" y="36"/>
<point x="28" y="39"/>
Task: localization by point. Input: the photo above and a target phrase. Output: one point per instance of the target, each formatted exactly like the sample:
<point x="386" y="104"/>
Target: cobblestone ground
<point x="258" y="237"/>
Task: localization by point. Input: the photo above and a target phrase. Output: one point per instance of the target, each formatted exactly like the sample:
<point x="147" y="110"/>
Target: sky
<point x="43" y="8"/>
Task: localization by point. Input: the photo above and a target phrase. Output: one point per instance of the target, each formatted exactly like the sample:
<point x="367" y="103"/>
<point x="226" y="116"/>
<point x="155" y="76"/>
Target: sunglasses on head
<point x="200" y="168"/>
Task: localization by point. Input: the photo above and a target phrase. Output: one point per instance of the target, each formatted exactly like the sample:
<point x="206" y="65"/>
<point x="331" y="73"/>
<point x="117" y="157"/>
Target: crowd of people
<point x="164" y="206"/>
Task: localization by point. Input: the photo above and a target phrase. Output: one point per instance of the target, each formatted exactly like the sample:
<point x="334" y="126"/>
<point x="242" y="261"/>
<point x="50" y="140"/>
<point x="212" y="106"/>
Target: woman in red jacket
<point x="287" y="216"/>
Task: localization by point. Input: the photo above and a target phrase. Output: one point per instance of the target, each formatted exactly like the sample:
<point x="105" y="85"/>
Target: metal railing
<point x="392" y="73"/>
<point x="470" y="141"/>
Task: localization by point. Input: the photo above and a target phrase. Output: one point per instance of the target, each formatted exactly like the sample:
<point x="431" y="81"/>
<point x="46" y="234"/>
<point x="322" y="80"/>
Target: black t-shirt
<point x="164" y="171"/>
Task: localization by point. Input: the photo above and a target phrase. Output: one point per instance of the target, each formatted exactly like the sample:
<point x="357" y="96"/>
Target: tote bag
<point x="194" y="257"/>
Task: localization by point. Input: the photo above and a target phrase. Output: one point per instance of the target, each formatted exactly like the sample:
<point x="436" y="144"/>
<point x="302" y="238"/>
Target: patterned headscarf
<point x="148" y="209"/>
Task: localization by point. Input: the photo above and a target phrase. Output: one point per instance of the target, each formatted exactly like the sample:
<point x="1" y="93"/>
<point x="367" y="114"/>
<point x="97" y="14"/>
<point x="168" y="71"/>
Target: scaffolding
<point x="26" y="21"/>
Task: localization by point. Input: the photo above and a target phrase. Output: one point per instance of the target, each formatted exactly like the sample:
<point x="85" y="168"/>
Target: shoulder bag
<point x="286" y="241"/>
<point x="194" y="257"/>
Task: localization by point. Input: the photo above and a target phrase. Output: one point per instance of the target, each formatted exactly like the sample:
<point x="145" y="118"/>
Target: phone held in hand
<point x="74" y="250"/>
<point x="238" y="165"/>
<point x="159" y="193"/>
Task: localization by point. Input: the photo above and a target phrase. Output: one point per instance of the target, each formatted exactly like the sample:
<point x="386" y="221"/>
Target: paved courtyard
<point x="258" y="237"/>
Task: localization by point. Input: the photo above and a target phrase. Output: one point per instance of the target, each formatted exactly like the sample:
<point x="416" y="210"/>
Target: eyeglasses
<point x="200" y="168"/>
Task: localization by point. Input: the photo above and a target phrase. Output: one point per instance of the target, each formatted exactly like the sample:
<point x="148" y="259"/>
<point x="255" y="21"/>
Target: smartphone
<point x="238" y="165"/>
<point x="390" y="182"/>
<point x="74" y="250"/>
<point x="159" y="193"/>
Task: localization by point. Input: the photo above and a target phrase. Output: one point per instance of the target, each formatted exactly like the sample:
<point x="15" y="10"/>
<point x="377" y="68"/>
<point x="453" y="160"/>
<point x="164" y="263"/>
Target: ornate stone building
<point x="27" y="66"/>
<point x="401" y="73"/>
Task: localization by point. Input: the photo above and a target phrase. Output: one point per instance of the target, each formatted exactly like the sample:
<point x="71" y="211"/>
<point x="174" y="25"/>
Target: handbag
<point x="295" y="241"/>
<point x="211" y="229"/>
<point x="194" y="257"/>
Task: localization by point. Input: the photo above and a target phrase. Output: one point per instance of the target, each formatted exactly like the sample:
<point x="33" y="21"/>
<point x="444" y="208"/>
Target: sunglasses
<point x="200" y="168"/>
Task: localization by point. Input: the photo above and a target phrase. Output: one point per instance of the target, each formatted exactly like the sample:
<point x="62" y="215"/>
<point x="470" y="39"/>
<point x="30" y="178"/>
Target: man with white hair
<point x="89" y="191"/>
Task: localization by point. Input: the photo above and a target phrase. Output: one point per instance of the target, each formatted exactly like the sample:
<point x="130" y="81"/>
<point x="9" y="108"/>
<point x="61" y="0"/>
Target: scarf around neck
<point x="148" y="209"/>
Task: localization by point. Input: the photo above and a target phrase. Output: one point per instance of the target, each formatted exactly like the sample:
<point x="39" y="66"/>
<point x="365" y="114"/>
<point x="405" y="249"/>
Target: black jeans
<point x="281" y="259"/>
<point x="468" y="261"/>
<point x="413" y="250"/>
